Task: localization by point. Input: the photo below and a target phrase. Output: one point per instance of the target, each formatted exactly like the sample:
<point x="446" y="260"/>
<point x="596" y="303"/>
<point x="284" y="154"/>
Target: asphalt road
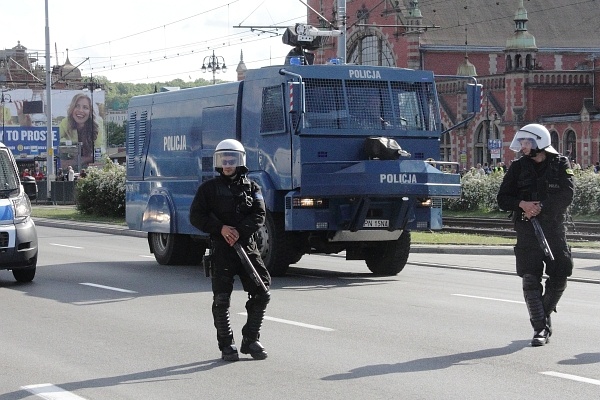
<point x="102" y="320"/>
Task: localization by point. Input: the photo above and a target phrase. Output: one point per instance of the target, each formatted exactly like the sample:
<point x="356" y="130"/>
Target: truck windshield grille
<point x="368" y="105"/>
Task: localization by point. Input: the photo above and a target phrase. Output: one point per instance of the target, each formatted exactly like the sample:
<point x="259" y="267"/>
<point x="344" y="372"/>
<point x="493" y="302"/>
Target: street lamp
<point x="215" y="65"/>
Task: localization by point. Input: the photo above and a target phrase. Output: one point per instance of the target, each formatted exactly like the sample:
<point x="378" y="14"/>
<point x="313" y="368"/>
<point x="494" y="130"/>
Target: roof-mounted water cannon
<point x="303" y="38"/>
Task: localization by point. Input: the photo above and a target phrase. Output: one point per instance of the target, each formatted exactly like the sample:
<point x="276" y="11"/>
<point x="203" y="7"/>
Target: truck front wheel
<point x="388" y="258"/>
<point x="169" y="248"/>
<point x="273" y="243"/>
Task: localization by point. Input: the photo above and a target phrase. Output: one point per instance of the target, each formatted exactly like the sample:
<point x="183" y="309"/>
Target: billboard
<point x="77" y="124"/>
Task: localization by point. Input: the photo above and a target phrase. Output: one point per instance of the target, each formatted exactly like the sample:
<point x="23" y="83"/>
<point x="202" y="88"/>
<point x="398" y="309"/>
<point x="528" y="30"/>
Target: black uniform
<point x="236" y="202"/>
<point x="551" y="183"/>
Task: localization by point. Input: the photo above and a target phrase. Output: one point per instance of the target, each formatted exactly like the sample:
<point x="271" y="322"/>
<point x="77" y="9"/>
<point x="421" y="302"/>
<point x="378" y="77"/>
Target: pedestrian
<point x="59" y="175"/>
<point x="230" y="208"/>
<point x="70" y="174"/>
<point x="539" y="185"/>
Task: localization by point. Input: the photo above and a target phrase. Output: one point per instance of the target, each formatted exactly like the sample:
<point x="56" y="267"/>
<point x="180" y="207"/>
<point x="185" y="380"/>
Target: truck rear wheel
<point x="388" y="258"/>
<point x="170" y="248"/>
<point x="273" y="243"/>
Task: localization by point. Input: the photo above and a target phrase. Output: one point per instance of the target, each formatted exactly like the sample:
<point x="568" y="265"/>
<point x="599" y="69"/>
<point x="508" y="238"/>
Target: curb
<point x="415" y="248"/>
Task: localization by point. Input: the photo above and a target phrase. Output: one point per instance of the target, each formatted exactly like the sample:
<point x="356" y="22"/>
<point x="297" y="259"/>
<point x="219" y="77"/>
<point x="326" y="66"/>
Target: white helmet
<point x="538" y="134"/>
<point x="229" y="152"/>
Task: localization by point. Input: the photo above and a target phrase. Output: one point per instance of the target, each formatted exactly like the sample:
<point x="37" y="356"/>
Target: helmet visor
<point x="225" y="159"/>
<point x="521" y="138"/>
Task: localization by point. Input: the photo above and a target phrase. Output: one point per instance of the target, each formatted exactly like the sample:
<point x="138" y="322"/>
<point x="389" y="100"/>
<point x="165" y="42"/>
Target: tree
<point x="115" y="134"/>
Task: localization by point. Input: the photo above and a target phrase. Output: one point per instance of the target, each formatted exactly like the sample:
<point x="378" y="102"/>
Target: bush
<point x="102" y="191"/>
<point x="479" y="193"/>
<point x="587" y="192"/>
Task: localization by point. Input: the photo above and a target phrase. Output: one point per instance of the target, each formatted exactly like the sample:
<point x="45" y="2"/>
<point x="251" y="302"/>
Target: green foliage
<point x="115" y="133"/>
<point x="479" y="193"/>
<point x="102" y="191"/>
<point x="587" y="192"/>
<point x="118" y="94"/>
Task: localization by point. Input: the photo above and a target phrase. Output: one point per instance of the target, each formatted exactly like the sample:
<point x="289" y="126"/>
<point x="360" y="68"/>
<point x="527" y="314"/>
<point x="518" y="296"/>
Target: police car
<point x="18" y="236"/>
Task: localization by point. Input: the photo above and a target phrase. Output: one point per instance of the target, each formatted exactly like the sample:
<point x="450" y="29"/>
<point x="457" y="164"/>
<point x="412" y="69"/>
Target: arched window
<point x="445" y="147"/>
<point x="508" y="63"/>
<point x="571" y="145"/>
<point x="518" y="62"/>
<point x="554" y="140"/>
<point x="370" y="48"/>
<point x="482" y="153"/>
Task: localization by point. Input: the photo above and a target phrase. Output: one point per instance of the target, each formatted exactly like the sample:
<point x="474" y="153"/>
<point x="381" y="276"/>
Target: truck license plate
<point x="376" y="223"/>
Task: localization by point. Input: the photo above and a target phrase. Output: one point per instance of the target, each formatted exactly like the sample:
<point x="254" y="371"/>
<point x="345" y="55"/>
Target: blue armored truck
<point x="343" y="154"/>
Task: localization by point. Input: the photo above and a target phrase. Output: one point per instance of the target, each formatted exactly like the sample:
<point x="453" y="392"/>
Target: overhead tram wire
<point x="155" y="28"/>
<point x="215" y="43"/>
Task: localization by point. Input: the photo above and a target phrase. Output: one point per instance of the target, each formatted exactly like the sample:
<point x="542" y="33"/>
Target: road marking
<point x="145" y="256"/>
<point x="107" y="287"/>
<point x="488" y="298"/>
<point x="50" y="392"/>
<point x="285" y="321"/>
<point x="66" y="245"/>
<point x="572" y="377"/>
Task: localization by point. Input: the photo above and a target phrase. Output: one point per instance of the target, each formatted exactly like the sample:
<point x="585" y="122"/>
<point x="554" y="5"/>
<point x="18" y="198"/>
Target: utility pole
<point x="341" y="26"/>
<point x="50" y="176"/>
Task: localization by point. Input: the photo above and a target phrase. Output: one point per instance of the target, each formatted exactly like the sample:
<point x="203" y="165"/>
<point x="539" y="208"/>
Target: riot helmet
<point x="230" y="153"/>
<point x="539" y="137"/>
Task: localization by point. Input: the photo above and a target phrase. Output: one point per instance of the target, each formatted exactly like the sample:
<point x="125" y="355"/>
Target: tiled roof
<point x="554" y="23"/>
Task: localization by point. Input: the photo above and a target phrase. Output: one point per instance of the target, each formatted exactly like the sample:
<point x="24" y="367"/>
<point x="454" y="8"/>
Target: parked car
<point x="18" y="236"/>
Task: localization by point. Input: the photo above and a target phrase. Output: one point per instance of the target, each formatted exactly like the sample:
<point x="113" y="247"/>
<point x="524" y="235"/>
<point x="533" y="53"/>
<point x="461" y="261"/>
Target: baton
<point x="539" y="234"/>
<point x="249" y="267"/>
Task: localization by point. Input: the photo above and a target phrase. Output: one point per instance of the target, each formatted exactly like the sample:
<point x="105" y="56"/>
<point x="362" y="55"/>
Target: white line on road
<point x="107" y="287"/>
<point x="488" y="298"/>
<point x="146" y="256"/>
<point x="572" y="377"/>
<point x="66" y="245"/>
<point x="50" y="392"/>
<point x="285" y="321"/>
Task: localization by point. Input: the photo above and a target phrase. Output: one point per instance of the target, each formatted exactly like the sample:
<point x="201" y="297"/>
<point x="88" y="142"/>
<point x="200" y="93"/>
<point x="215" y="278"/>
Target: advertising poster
<point x="77" y="125"/>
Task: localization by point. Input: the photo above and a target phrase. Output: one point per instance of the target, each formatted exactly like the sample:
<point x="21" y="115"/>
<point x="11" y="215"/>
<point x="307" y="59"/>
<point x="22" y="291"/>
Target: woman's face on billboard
<point x="81" y="112"/>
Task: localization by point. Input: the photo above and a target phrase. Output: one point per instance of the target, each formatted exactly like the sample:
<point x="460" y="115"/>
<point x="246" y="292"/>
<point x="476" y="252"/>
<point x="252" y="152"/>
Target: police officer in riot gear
<point x="539" y="185"/>
<point x="231" y="209"/>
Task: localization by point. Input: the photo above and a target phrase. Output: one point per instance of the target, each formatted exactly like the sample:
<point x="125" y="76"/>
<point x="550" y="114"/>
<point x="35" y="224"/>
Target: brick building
<point x="537" y="61"/>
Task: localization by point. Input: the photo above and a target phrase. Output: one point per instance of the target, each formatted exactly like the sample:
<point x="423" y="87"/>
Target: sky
<point x="149" y="41"/>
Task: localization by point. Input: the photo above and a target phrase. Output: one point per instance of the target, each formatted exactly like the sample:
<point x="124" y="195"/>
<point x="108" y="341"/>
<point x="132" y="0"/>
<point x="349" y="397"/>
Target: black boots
<point x="532" y="291"/>
<point x="255" y="306"/>
<point x="540" y="307"/>
<point x="254" y="348"/>
<point x="229" y="353"/>
<point x="220" y="311"/>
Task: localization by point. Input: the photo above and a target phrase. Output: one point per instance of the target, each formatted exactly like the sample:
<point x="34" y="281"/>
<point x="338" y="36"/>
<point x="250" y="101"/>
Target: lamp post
<point x="215" y="65"/>
<point x="4" y="98"/>
<point x="92" y="84"/>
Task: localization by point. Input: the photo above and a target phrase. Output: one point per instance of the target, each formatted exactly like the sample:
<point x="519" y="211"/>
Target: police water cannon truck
<point x="342" y="154"/>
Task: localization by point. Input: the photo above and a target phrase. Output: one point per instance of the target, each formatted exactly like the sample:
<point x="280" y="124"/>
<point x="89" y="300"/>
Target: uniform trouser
<point x="531" y="263"/>
<point x="226" y="265"/>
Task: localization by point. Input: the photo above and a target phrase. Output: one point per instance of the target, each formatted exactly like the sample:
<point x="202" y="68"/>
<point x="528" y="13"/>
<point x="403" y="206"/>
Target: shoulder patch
<point x="569" y="171"/>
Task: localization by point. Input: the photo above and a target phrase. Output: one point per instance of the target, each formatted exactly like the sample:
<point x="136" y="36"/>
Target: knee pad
<point x="259" y="300"/>
<point x="532" y="282"/>
<point x="221" y="300"/>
